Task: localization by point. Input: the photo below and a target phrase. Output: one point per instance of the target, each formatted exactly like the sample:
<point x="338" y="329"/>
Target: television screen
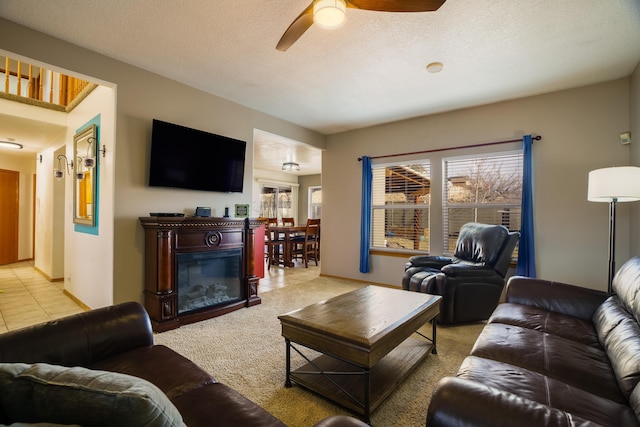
<point x="182" y="157"/>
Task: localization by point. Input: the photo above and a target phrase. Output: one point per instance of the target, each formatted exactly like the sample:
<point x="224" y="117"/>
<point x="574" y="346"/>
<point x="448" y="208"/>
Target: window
<point x="400" y="201"/>
<point x="315" y="202"/>
<point x="276" y="201"/>
<point x="485" y="189"/>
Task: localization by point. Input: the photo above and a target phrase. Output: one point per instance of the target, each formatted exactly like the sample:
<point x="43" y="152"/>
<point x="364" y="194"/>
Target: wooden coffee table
<point x="364" y="342"/>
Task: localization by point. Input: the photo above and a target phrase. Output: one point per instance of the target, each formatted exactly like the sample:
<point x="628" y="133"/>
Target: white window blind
<point x="485" y="189"/>
<point x="400" y="202"/>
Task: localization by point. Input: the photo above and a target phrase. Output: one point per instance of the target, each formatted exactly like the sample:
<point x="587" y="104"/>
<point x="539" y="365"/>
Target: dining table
<point x="285" y="233"/>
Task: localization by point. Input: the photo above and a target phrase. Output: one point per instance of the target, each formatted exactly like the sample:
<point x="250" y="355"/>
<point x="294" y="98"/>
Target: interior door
<point x="9" y="199"/>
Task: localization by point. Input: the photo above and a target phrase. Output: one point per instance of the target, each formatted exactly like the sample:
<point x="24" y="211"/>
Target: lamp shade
<point x="620" y="183"/>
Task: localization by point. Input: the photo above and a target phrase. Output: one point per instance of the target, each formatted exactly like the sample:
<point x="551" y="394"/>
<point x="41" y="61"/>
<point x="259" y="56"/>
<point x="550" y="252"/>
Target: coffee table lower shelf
<point x="346" y="383"/>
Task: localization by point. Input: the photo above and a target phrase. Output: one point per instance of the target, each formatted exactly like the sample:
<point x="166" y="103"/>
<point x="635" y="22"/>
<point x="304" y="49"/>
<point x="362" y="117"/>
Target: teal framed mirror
<point x="84" y="186"/>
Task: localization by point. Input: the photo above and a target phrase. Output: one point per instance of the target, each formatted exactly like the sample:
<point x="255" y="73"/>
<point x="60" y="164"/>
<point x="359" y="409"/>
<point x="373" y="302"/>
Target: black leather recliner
<point x="470" y="282"/>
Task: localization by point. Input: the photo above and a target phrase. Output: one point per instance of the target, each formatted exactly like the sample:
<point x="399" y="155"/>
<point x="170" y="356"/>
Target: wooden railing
<point x="36" y="85"/>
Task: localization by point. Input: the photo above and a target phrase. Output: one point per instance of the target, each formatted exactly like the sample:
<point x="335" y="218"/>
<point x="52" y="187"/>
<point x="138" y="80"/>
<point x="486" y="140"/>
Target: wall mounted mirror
<point x="84" y="186"/>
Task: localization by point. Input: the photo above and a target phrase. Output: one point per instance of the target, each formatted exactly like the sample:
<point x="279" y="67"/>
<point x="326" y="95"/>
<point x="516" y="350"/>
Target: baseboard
<point x="46" y="276"/>
<point x="76" y="300"/>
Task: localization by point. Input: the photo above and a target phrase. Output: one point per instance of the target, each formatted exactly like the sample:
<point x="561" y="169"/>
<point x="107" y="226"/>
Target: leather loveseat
<point x="70" y="371"/>
<point x="552" y="355"/>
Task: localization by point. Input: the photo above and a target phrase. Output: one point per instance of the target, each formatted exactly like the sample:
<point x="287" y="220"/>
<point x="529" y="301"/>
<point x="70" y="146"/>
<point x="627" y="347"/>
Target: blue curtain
<point x="365" y="222"/>
<point x="526" y="249"/>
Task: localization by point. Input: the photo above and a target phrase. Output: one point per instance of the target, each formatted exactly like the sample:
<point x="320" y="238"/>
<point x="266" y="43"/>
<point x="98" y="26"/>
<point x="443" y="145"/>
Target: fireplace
<point x="197" y="268"/>
<point x="207" y="279"/>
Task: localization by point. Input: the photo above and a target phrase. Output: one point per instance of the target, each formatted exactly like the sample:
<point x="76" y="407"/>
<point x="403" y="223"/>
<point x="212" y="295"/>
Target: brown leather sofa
<point x="552" y="355"/>
<point x="118" y="340"/>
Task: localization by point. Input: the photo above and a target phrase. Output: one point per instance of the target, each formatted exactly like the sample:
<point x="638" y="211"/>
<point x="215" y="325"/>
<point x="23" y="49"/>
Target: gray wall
<point x="634" y="127"/>
<point x="580" y="129"/>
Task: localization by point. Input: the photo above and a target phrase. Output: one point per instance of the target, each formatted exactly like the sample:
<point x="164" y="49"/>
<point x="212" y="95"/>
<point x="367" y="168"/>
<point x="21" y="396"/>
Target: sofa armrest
<point x="429" y="261"/>
<point x="461" y="402"/>
<point x="555" y="296"/>
<point x="81" y="339"/>
<point x="479" y="270"/>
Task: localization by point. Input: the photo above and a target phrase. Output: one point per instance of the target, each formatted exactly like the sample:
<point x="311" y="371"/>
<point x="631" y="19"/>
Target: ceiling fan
<point x="332" y="13"/>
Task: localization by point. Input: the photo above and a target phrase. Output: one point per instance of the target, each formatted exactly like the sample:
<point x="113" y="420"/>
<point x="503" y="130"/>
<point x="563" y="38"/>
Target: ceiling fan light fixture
<point x="329" y="13"/>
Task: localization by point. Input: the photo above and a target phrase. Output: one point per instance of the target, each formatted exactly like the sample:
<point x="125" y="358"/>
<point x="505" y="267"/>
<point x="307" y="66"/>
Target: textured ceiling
<point x="372" y="69"/>
<point x="369" y="71"/>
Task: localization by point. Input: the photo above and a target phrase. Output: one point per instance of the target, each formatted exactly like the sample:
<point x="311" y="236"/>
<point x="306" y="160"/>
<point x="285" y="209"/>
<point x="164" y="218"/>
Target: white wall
<point x="49" y="242"/>
<point x="89" y="257"/>
<point x="580" y="130"/>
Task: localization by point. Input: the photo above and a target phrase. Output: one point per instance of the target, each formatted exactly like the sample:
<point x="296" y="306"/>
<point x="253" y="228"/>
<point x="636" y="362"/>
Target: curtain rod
<point x="536" y="138"/>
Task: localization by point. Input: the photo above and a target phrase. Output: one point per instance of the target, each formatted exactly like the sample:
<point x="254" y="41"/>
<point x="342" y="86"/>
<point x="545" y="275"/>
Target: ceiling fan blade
<point x="296" y="29"/>
<point x="396" y="5"/>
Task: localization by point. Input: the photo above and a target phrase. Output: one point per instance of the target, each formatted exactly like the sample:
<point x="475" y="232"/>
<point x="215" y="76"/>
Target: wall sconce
<point x="58" y="172"/>
<point x="290" y="166"/>
<point x="90" y="161"/>
<point x="79" y="172"/>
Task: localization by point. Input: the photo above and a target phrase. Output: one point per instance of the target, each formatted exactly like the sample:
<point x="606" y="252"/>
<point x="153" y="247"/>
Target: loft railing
<point x="36" y="85"/>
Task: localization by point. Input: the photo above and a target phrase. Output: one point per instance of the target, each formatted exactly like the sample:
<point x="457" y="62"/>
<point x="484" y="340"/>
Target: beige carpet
<point x="246" y="351"/>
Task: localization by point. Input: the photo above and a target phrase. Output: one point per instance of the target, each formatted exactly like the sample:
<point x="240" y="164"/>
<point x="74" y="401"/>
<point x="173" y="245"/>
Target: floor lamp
<point x="614" y="185"/>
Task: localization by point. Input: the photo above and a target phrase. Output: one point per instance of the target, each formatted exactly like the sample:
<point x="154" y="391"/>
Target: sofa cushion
<point x="620" y="335"/>
<point x="542" y="320"/>
<point x="577" y="364"/>
<point x="76" y="395"/>
<point x="540" y="388"/>
<point x="480" y="243"/>
<point x="230" y="408"/>
<point x="179" y="374"/>
<point x="625" y="285"/>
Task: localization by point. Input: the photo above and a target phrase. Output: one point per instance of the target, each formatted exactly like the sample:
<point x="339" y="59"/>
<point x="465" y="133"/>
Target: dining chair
<point x="272" y="243"/>
<point x="308" y="246"/>
<point x="288" y="222"/>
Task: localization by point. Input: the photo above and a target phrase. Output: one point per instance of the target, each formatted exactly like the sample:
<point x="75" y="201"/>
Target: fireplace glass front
<point x="207" y="279"/>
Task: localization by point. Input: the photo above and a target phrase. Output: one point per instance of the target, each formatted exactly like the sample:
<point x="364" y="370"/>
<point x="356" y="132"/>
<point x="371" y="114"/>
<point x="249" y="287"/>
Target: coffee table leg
<point x="434" y="351"/>
<point x="367" y="396"/>
<point x="287" y="382"/>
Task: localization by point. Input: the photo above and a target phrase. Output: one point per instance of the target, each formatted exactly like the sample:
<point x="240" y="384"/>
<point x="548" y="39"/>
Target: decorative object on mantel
<point x="242" y="211"/>
<point x="613" y="185"/>
<point x="197" y="268"/>
<point x="203" y="211"/>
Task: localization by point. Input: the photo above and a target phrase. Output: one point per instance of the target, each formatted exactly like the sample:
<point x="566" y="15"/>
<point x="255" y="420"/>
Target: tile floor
<point x="27" y="298"/>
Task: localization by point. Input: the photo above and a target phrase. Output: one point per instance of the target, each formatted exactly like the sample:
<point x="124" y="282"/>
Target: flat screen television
<point x="182" y="157"/>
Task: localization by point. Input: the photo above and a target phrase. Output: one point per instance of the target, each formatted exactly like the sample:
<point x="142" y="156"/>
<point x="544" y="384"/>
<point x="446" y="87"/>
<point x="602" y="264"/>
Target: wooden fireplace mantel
<point x="165" y="237"/>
